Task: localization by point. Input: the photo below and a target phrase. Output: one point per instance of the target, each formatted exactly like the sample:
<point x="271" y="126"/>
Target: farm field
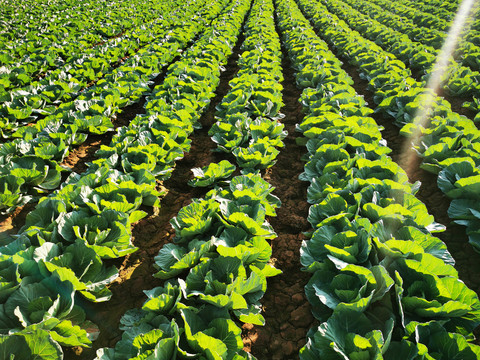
<point x="239" y="179"/>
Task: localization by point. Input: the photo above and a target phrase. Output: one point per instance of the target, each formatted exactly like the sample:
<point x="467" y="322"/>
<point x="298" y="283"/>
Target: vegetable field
<point x="240" y="179"/>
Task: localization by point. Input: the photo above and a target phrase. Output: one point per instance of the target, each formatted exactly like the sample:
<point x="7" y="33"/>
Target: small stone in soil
<point x="298" y="298"/>
<point x="302" y="316"/>
<point x="288" y="348"/>
<point x="289" y="334"/>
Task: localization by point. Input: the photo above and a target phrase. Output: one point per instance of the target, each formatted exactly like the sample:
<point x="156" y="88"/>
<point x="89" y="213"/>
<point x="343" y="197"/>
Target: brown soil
<point x="10" y="224"/>
<point x="154" y="231"/>
<point x="78" y="157"/>
<point x="287" y="313"/>
<point x="121" y="33"/>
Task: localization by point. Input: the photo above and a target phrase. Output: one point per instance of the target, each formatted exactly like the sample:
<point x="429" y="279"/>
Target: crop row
<point x="247" y="118"/>
<point x="467" y="51"/>
<point x="450" y="145"/>
<point x="458" y="80"/>
<point x="20" y="21"/>
<point x="382" y="285"/>
<point x="66" y="82"/>
<point x="30" y="163"/>
<point x="419" y="18"/>
<point x="48" y="34"/>
<point x="442" y="9"/>
<point x="58" y="255"/>
<point x="469" y="42"/>
<point x="430" y="36"/>
<point x="220" y="259"/>
<point x="438" y="8"/>
<point x="422" y="16"/>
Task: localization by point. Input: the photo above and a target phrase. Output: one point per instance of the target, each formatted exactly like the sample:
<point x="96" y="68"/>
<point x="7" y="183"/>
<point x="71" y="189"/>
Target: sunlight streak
<point x="422" y="119"/>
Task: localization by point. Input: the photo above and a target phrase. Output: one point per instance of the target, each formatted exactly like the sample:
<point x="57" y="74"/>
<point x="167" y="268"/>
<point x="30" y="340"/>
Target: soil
<point x="457" y="105"/>
<point x="10" y="224"/>
<point x="286" y="310"/>
<point x="121" y="33"/>
<point x="78" y="157"/>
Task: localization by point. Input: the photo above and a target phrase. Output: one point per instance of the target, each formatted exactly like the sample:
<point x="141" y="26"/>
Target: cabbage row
<point x="221" y="240"/>
<point x="418" y="17"/>
<point x="382" y="285"/>
<point x="49" y="34"/>
<point x="450" y="145"/>
<point x="423" y="17"/>
<point x="247" y="118"/>
<point x="31" y="18"/>
<point x="23" y="24"/>
<point x="458" y="80"/>
<point x="58" y="255"/>
<point x="29" y="165"/>
<point x="425" y="35"/>
<point x="442" y="9"/>
<point x="438" y="8"/>
<point x="41" y="98"/>
<point x="467" y="51"/>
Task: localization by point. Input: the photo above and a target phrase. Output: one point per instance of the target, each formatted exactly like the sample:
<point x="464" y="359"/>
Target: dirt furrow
<point x="287" y="312"/>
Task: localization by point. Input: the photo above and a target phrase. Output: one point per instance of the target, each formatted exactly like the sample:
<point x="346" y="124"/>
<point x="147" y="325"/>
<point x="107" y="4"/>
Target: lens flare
<point x="408" y="157"/>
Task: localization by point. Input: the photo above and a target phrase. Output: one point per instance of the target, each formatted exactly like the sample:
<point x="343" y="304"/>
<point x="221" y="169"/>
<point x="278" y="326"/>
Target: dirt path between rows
<point x="287" y="312"/>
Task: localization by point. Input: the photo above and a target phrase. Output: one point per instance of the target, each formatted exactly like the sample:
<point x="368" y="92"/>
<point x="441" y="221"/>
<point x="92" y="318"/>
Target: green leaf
<point x="66" y="334"/>
<point x="36" y="345"/>
<point x="331" y="206"/>
<point x="210" y="174"/>
<point x="208" y="346"/>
